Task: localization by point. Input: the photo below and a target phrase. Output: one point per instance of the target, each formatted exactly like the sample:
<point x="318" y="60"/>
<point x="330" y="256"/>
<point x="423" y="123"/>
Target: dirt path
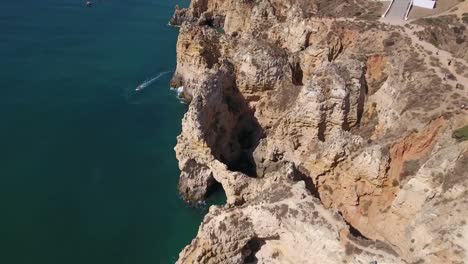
<point x="442" y="62"/>
<point x="443" y="56"/>
<point x="447" y="66"/>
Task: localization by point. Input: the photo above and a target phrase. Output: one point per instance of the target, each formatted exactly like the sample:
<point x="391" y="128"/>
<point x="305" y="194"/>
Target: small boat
<point x="139" y="87"/>
<point x="148" y="82"/>
<point x="88" y="3"/>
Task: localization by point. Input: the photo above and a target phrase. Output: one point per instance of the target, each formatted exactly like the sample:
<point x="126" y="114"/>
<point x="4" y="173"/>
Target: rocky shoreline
<point x="329" y="134"/>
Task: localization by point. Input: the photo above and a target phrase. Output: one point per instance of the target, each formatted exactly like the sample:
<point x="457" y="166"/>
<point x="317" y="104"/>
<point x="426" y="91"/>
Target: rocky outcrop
<point x="285" y="220"/>
<point x="330" y="137"/>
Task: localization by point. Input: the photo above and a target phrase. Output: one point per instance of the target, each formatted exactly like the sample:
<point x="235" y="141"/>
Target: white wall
<point x="424" y="3"/>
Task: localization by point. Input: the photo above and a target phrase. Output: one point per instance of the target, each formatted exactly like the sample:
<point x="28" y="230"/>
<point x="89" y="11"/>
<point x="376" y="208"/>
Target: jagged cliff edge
<point x="329" y="134"/>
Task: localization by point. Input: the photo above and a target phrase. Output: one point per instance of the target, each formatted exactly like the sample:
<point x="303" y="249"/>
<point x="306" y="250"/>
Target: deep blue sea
<point x="87" y="168"/>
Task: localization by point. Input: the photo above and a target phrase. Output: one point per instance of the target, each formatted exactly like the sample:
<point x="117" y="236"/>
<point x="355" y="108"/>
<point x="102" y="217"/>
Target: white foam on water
<point x="179" y="91"/>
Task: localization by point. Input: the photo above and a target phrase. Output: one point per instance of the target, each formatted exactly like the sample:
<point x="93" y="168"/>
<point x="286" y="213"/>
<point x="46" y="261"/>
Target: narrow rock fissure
<point x="334" y="53"/>
<point x="322" y="127"/>
<point x="355" y="233"/>
<point x="307" y="40"/>
<point x="362" y="97"/>
<point x="309" y="183"/>
<point x="347" y="107"/>
<point x="297" y="73"/>
<point x="251" y="248"/>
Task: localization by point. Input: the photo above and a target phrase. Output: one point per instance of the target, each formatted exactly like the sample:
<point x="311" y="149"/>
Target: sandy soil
<point x="443" y="57"/>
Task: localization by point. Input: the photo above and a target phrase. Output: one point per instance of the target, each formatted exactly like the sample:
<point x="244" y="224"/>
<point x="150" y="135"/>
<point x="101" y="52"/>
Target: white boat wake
<point x="150" y="81"/>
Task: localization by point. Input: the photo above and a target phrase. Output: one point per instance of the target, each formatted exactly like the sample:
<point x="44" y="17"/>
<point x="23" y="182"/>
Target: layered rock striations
<point x="329" y="133"/>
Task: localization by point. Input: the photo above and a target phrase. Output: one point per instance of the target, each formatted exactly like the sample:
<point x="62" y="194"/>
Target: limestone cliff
<point x="329" y="132"/>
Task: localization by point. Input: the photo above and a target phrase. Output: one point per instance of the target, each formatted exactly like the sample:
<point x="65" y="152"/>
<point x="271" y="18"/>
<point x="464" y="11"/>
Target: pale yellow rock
<point x="288" y="106"/>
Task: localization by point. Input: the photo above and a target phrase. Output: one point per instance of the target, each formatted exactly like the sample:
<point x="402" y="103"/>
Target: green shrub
<point x="461" y="134"/>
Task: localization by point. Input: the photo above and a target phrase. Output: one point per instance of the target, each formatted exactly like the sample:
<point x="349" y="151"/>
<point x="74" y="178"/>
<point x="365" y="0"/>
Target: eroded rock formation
<point x="330" y="136"/>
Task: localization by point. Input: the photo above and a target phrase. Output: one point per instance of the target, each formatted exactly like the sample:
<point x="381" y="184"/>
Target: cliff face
<point x="330" y="135"/>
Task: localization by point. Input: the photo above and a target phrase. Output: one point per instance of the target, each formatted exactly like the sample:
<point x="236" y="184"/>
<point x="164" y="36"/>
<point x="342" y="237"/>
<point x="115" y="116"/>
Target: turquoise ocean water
<point x="87" y="168"/>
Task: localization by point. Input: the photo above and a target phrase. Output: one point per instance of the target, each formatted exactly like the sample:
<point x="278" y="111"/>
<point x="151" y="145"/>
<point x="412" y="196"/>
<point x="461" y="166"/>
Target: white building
<point x="425" y="3"/>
